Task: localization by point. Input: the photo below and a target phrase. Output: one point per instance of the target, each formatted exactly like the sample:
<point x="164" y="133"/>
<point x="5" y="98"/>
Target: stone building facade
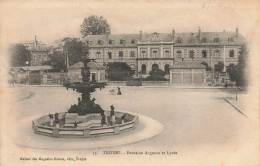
<point x="38" y="50"/>
<point x="145" y="51"/>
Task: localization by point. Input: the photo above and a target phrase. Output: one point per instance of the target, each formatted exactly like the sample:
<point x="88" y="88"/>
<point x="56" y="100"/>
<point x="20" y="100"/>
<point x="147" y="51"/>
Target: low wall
<point x="86" y="131"/>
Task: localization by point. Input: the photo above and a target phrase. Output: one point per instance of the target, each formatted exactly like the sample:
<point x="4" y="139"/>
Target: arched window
<point x="191" y="54"/>
<point x="121" y="54"/>
<point x="217" y="53"/>
<point x="204" y="53"/>
<point x="132" y="54"/>
<point x="98" y="55"/>
<point x="231" y="53"/>
<point x="155" y="66"/>
<point x="167" y="69"/>
<point x="109" y="55"/>
<point x="179" y="54"/>
<point x="143" y="69"/>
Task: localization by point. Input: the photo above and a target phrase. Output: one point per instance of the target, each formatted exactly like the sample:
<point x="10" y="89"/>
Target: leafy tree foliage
<point x="57" y="60"/>
<point x="238" y="73"/>
<point x="75" y="49"/>
<point x="95" y="25"/>
<point x="219" y="67"/>
<point x="18" y="55"/>
<point x="118" y="71"/>
<point x="207" y="66"/>
<point x="156" y="75"/>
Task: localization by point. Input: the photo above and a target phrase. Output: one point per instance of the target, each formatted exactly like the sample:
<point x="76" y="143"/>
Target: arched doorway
<point x="155" y="66"/>
<point x="143" y="69"/>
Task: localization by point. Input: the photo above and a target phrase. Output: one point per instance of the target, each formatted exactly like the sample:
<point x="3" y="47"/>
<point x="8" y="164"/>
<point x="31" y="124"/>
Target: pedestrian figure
<point x="118" y="91"/>
<point x="103" y="119"/>
<point x="51" y="119"/>
<point x="123" y="119"/>
<point x="112" y="114"/>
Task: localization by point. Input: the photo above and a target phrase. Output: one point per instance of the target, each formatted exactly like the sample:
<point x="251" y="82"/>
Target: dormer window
<point x="179" y="40"/>
<point x="216" y="40"/>
<point x="230" y="40"/>
<point x="132" y="41"/>
<point x="99" y="42"/>
<point x="110" y="42"/>
<point x="121" y="41"/>
<point x="204" y="40"/>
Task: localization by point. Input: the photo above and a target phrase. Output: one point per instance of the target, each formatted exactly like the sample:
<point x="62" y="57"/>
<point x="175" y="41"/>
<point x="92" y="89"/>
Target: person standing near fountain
<point x="112" y="115"/>
<point x="118" y="91"/>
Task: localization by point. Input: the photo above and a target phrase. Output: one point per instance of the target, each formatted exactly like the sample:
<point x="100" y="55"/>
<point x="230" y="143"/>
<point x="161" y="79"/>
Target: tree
<point x="156" y="74"/>
<point x="75" y="49"/>
<point x="238" y="73"/>
<point x="95" y="25"/>
<point x="118" y="71"/>
<point x="19" y="55"/>
<point x="57" y="60"/>
<point x="219" y="67"/>
<point x="207" y="66"/>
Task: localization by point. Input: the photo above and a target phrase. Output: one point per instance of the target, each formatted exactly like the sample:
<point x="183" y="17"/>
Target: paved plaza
<point x="198" y="123"/>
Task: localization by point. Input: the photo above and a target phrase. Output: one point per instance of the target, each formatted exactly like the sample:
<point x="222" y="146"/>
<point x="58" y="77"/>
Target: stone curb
<point x="234" y="106"/>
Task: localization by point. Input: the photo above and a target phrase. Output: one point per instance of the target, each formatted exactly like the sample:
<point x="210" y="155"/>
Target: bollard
<point x="116" y="129"/>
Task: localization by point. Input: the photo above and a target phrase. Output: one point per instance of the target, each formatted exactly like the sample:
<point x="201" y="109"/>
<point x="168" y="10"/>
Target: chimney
<point x="173" y="34"/>
<point x="199" y="35"/>
<point x="140" y="36"/>
<point x="35" y="42"/>
<point x="237" y="32"/>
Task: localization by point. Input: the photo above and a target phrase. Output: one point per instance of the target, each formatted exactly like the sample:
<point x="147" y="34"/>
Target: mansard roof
<point x="187" y="38"/>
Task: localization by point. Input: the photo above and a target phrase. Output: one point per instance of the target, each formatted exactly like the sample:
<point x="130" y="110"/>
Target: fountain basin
<point x="90" y="126"/>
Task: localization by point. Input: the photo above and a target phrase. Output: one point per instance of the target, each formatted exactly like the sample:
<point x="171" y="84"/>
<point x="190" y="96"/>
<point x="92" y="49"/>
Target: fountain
<point x="85" y="119"/>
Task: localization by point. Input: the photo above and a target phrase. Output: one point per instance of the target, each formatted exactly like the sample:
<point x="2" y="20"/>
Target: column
<point x="172" y="53"/>
<point x="161" y="51"/>
<point x="148" y="52"/>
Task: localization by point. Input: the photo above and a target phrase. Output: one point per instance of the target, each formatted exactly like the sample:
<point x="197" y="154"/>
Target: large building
<point x="145" y="51"/>
<point x="38" y="50"/>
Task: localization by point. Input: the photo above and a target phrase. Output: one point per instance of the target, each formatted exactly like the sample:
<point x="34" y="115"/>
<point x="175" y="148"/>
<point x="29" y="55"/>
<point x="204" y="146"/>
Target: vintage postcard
<point x="147" y="82"/>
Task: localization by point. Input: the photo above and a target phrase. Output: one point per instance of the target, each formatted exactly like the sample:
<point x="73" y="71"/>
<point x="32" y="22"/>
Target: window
<point x="143" y="69"/>
<point x="132" y="54"/>
<point x="155" y="53"/>
<point x="179" y="54"/>
<point x="90" y="43"/>
<point x="167" y="69"/>
<point x="121" y="54"/>
<point x="230" y="39"/>
<point x="192" y="40"/>
<point x="110" y="42"/>
<point x="155" y="66"/>
<point x="40" y="57"/>
<point x="191" y="54"/>
<point x="132" y="41"/>
<point x="204" y="54"/>
<point x="216" y="40"/>
<point x="98" y="56"/>
<point x="231" y="53"/>
<point x="143" y="53"/>
<point x="204" y="40"/>
<point x="99" y="42"/>
<point x="121" y="41"/>
<point x="179" y="40"/>
<point x="109" y="55"/>
<point x="217" y="53"/>
<point x="166" y="53"/>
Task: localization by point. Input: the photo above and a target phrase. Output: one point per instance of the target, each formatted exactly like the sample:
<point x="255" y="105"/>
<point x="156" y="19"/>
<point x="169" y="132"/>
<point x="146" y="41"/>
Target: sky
<point x="53" y="20"/>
